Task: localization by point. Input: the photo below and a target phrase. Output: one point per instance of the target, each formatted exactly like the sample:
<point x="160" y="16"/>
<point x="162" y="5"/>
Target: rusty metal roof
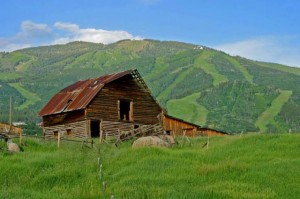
<point x="78" y="95"/>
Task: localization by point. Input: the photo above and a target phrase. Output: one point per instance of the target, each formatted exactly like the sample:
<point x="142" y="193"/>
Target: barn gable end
<point x="107" y="105"/>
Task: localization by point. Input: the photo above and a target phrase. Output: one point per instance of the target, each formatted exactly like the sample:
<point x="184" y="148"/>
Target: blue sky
<point x="265" y="30"/>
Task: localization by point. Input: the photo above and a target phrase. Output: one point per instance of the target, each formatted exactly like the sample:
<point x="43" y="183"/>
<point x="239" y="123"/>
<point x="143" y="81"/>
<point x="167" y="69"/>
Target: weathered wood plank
<point x="71" y="130"/>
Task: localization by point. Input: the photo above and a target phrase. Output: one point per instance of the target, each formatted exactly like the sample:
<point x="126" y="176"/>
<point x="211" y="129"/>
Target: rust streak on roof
<point x="78" y="95"/>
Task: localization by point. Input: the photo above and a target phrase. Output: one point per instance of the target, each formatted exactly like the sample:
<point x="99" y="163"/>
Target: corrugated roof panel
<point x="78" y="95"/>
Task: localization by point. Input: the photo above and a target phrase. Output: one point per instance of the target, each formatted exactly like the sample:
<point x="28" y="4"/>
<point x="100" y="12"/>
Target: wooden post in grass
<point x="207" y="142"/>
<point x="92" y="143"/>
<point x="58" y="139"/>
<point x="101" y="131"/>
<point x="100" y="172"/>
<point x="103" y="186"/>
<point x="20" y="138"/>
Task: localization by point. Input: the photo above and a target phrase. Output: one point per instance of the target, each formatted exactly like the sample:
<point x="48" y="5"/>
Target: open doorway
<point x="95" y="128"/>
<point x="125" y="110"/>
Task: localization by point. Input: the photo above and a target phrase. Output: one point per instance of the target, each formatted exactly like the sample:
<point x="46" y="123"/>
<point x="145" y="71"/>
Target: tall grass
<point x="250" y="166"/>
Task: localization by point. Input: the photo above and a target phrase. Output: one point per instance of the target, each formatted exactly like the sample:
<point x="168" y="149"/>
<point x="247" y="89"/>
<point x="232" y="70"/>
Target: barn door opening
<point x="125" y="110"/>
<point x="95" y="128"/>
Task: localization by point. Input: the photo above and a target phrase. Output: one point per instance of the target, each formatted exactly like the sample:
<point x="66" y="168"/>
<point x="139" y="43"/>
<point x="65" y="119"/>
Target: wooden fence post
<point x="207" y="142"/>
<point x="101" y="131"/>
<point x="20" y="138"/>
<point x="58" y="139"/>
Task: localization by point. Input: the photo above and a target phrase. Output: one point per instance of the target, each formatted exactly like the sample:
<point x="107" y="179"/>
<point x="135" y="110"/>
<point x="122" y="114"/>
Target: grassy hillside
<point x="234" y="91"/>
<point x="248" y="166"/>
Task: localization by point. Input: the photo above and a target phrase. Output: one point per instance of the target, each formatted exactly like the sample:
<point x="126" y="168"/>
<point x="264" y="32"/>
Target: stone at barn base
<point x="149" y="141"/>
<point x="167" y="138"/>
<point x="12" y="147"/>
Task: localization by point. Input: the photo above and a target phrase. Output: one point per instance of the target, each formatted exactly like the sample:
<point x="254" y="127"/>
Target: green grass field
<point x="248" y="166"/>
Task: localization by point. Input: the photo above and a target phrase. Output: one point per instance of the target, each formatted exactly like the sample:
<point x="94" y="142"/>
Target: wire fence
<point x="84" y="142"/>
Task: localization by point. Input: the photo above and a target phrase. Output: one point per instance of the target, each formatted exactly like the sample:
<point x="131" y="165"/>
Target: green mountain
<point x="195" y="83"/>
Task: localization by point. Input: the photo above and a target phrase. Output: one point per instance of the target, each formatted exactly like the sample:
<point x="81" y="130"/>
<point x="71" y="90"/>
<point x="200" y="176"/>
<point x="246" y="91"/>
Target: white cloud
<point x="269" y="49"/>
<point x="33" y="30"/>
<point x="66" y="26"/>
<point x="91" y="34"/>
<point x="33" y="34"/>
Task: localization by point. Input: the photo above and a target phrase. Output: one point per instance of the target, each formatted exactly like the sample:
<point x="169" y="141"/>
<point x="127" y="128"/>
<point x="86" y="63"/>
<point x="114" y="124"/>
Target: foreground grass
<point x="250" y="166"/>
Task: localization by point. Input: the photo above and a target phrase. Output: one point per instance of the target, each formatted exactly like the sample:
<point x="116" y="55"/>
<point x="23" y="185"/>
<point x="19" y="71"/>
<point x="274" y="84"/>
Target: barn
<point x="108" y="106"/>
<point x="103" y="105"/>
<point x="175" y="126"/>
<point x="205" y="131"/>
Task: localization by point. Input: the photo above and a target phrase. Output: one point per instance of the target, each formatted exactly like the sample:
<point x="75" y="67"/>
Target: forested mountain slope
<point x="195" y="83"/>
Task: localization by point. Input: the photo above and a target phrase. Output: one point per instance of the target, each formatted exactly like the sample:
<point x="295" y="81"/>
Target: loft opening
<point x="125" y="108"/>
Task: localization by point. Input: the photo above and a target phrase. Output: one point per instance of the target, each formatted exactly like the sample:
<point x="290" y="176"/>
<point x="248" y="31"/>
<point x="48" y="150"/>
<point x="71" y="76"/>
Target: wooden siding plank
<point x="78" y="130"/>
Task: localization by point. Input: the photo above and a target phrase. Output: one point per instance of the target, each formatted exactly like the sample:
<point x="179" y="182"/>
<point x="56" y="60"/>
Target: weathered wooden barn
<point x="107" y="106"/>
<point x="211" y="132"/>
<point x="103" y="105"/>
<point x="178" y="127"/>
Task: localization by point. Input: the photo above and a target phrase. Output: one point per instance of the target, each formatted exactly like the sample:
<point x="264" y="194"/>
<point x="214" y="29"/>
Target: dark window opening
<point x="55" y="133"/>
<point x="69" y="132"/>
<point x="95" y="128"/>
<point x="125" y="112"/>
